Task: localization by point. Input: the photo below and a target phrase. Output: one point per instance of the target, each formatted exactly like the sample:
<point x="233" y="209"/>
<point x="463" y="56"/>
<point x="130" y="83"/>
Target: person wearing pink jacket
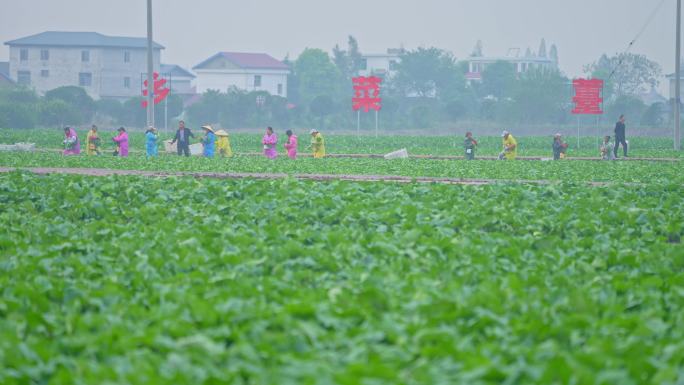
<point x="270" y="141"/>
<point x="291" y="145"/>
<point x="72" y="146"/>
<point x="121" y="141"/>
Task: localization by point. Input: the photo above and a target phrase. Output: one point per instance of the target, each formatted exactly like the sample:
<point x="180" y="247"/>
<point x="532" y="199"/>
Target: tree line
<point x="429" y="89"/>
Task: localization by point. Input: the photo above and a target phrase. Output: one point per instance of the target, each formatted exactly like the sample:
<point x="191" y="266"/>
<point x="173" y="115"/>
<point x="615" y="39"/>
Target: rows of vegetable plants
<point x="575" y="171"/>
<point x="129" y="280"/>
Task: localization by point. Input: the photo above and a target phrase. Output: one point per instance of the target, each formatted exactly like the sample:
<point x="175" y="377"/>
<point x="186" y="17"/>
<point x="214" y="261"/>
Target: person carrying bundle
<point x="510" y="147"/>
<point x="223" y="144"/>
<point x="559" y="148"/>
<point x="121" y="141"/>
<point x="93" y="140"/>
<point x="291" y="144"/>
<point x="470" y="145"/>
<point x="72" y="146"/>
<point x="151" y="137"/>
<point x="317" y="144"/>
<point x="270" y="140"/>
<point x="607" y="149"/>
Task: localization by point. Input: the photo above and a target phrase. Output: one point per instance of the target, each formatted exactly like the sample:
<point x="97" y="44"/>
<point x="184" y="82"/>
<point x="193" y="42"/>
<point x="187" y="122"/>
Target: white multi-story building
<point x="478" y="64"/>
<point x="104" y="66"/>
<point x="383" y="64"/>
<point x="244" y="71"/>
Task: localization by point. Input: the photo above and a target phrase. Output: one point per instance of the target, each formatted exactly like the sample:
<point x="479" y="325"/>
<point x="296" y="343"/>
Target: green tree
<point x="316" y="75"/>
<point x="631" y="73"/>
<point x="654" y="116"/>
<point x="429" y="72"/>
<point x="541" y="96"/>
<point x="111" y="108"/>
<point x="57" y="112"/>
<point x="498" y="80"/>
<point x="77" y="98"/>
<point x="322" y="106"/>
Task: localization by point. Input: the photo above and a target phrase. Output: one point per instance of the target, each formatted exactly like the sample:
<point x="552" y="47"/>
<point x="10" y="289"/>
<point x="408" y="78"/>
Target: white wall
<point x="222" y="80"/>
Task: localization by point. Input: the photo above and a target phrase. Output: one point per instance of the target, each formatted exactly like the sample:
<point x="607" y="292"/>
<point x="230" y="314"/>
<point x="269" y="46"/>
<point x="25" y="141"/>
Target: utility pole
<point x="678" y="79"/>
<point x="150" y="67"/>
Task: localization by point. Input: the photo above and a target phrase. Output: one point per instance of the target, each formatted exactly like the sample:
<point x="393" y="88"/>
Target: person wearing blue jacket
<point x="208" y="141"/>
<point x="151" y="137"/>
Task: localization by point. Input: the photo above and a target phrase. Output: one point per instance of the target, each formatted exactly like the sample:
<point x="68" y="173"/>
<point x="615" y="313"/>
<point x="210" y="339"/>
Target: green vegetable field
<point x="132" y="280"/>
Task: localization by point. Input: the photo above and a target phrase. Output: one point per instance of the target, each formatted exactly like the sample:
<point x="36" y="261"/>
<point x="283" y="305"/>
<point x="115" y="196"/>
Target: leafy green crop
<point x="575" y="171"/>
<point x="128" y="280"/>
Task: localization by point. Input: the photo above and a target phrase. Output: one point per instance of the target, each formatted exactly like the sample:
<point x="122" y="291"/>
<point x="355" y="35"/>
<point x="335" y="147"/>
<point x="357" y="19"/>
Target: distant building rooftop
<point x="247" y="61"/>
<point x="80" y="39"/>
<point x="175" y="70"/>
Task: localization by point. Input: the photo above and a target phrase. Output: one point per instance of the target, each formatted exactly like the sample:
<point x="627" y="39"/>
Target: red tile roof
<point x="248" y="61"/>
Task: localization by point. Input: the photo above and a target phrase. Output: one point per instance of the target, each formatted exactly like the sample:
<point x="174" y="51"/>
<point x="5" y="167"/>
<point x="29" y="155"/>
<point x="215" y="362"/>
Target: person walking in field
<point x="121" y="141"/>
<point x="208" y="141"/>
<point x="72" y="145"/>
<point x="510" y="147"/>
<point x="182" y="137"/>
<point x="470" y="145"/>
<point x="291" y="145"/>
<point x="270" y="140"/>
<point x="223" y="144"/>
<point x="151" y="137"/>
<point x="317" y="144"/>
<point x="93" y="142"/>
<point x="607" y="149"/>
<point x="620" y="137"/>
<point x="559" y="148"/>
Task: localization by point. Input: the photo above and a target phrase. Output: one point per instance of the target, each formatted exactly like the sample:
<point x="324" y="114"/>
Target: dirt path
<point x="266" y="176"/>
<point x="431" y="157"/>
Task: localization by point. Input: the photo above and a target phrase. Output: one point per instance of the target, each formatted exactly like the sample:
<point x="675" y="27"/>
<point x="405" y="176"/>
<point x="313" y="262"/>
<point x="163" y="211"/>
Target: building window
<point x="257" y="80"/>
<point x="44" y="55"/>
<point x="24" y="78"/>
<point x="44" y="73"/>
<point x="280" y="89"/>
<point x="85" y="79"/>
<point x="23" y="54"/>
<point x="127" y="56"/>
<point x="127" y="82"/>
<point x="85" y="56"/>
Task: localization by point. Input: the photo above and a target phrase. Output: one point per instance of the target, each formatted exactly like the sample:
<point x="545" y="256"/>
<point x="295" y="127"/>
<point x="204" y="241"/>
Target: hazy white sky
<point x="194" y="30"/>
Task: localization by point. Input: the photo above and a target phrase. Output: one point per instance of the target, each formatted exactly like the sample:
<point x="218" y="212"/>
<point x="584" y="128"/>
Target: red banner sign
<point x="588" y="96"/>
<point x="160" y="92"/>
<point x="367" y="93"/>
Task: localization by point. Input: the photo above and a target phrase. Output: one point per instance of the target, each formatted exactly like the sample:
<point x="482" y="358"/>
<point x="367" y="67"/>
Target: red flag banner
<point x="160" y="92"/>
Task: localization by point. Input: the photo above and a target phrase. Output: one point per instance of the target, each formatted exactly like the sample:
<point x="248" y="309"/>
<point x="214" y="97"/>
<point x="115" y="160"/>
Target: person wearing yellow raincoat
<point x="510" y="147"/>
<point x="223" y="144"/>
<point x="93" y="142"/>
<point x="317" y="144"/>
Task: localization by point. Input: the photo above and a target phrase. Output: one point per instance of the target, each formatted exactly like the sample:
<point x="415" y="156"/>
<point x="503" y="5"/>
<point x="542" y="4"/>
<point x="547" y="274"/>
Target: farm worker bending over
<point x="208" y="141"/>
<point x="183" y="136"/>
<point x="607" y="149"/>
<point x="559" y="147"/>
<point x="121" y="141"/>
<point x="93" y="140"/>
<point x="291" y="145"/>
<point x="510" y="147"/>
<point x="270" y="141"/>
<point x="223" y="144"/>
<point x="71" y="144"/>
<point x="151" y="137"/>
<point x="317" y="144"/>
<point x="470" y="145"/>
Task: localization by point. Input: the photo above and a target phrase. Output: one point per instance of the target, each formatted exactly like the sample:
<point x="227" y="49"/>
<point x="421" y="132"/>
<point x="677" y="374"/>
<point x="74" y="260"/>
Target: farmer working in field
<point x="93" y="141"/>
<point x="607" y="149"/>
<point x="559" y="148"/>
<point x="208" y="141"/>
<point x="291" y="144"/>
<point x="223" y="144"/>
<point x="183" y="136"/>
<point x="317" y="144"/>
<point x="270" y="140"/>
<point x="151" y="137"/>
<point x="121" y="141"/>
<point x="510" y="147"/>
<point x="470" y="145"/>
<point x="72" y="146"/>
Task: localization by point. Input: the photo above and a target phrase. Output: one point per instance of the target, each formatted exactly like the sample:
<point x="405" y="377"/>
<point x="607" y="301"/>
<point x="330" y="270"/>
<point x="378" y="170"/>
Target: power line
<point x="638" y="35"/>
